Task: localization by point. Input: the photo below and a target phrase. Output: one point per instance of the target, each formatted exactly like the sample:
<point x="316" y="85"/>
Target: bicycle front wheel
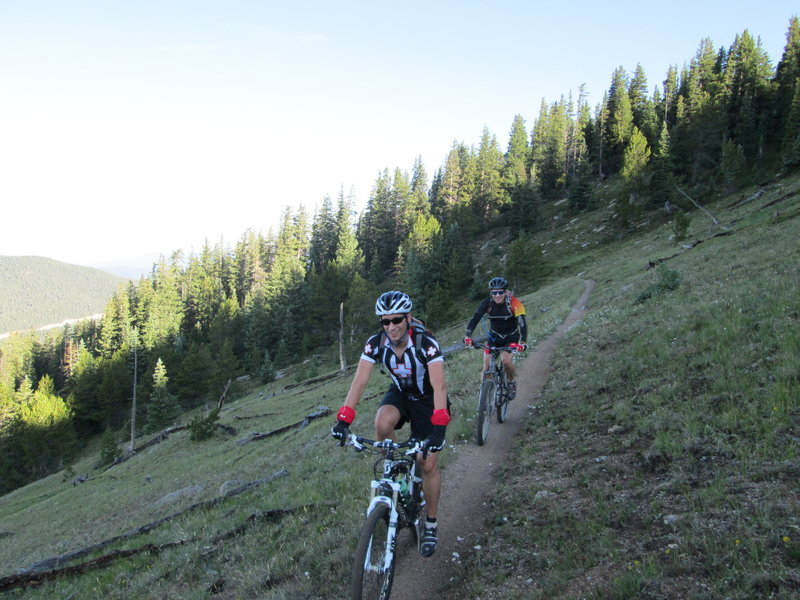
<point x="501" y="403"/>
<point x="373" y="567"/>
<point x="484" y="408"/>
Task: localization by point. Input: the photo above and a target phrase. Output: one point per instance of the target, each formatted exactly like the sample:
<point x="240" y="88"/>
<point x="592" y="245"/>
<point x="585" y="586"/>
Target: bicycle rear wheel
<point x="372" y="579"/>
<point x="484" y="408"/>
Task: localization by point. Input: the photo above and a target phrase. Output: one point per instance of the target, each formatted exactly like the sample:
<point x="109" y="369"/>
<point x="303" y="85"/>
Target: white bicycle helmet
<point x="391" y="303"/>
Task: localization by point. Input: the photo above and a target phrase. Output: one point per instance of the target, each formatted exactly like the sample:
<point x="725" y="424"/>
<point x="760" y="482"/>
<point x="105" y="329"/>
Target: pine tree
<point x="644" y="116"/>
<point x="489" y="196"/>
<point x="419" y="201"/>
<point x="748" y="74"/>
<point x="204" y="292"/>
<point x="191" y="379"/>
<point x="159" y="306"/>
<point x="163" y="406"/>
<point x="553" y="166"/>
<point x="579" y="121"/>
<point x="323" y="236"/>
<point x="634" y="163"/>
<point x="376" y="229"/>
<point x="620" y="119"/>
<point x="731" y="169"/>
<point x="787" y="91"/>
<point x="599" y="148"/>
<point x="225" y="366"/>
<point x="790" y="147"/>
<point x="266" y="372"/>
<point x="661" y="183"/>
<point x="515" y="165"/>
<point x="115" y="323"/>
<point x="539" y="147"/>
<point x="109" y="449"/>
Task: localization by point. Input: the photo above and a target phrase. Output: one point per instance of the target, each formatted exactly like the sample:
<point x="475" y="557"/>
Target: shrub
<point x="202" y="428"/>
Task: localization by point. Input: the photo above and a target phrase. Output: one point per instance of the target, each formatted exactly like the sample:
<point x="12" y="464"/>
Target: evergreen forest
<point x="40" y="291"/>
<point x="652" y="152"/>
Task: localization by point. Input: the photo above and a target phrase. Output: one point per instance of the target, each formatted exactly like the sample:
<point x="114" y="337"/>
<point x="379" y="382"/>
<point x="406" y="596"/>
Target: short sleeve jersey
<point x="409" y="372"/>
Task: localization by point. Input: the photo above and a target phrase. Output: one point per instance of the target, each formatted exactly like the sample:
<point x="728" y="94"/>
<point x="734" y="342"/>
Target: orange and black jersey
<point x="506" y="318"/>
<point x="409" y="372"/>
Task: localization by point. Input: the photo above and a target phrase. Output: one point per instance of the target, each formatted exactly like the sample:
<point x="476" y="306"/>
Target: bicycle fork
<point x="379" y="497"/>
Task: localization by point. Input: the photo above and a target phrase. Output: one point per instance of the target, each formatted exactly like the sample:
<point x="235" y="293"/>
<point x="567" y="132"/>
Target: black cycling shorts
<point x="416" y="410"/>
<point x="497" y="340"/>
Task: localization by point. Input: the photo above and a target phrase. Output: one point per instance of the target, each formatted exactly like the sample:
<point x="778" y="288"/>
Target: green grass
<point x="691" y="393"/>
<point x="662" y="461"/>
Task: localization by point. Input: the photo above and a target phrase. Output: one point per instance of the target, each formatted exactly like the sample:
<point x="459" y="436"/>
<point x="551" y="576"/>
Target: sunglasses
<point x="395" y="321"/>
<point x="498" y="292"/>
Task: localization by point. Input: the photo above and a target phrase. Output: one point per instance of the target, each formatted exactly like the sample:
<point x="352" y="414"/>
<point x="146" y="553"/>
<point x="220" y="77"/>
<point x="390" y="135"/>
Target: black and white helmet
<point x="498" y="283"/>
<point x="391" y="303"/>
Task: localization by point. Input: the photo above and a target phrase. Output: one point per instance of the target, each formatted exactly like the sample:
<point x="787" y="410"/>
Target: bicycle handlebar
<point x="412" y="444"/>
<point x="479" y="346"/>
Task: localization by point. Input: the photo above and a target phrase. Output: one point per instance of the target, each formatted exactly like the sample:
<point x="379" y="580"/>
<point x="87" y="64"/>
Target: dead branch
<point x="51" y="563"/>
<point x="33" y="579"/>
<point x="227" y="429"/>
<point x="755" y="196"/>
<point x="244" y="418"/>
<point x="315" y="380"/>
<point x="152" y="442"/>
<point x="651" y="264"/>
<point x="224" y="393"/>
<point x="322" y="412"/>
<point x="779" y="200"/>
<point x="697" y="204"/>
<point x="40" y="577"/>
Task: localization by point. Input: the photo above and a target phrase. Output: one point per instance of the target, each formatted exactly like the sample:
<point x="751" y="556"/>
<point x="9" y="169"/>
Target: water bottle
<point x="404" y="493"/>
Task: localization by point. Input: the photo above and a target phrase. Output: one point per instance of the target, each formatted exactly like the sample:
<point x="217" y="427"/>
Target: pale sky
<point x="133" y="128"/>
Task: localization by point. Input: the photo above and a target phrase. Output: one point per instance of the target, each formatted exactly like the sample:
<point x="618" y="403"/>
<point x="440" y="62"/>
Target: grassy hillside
<point x="661" y="461"/>
<point x="40" y="291"/>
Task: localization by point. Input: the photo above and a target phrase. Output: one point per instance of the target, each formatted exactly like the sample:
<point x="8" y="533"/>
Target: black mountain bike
<point x="494" y="391"/>
<point x="396" y="502"/>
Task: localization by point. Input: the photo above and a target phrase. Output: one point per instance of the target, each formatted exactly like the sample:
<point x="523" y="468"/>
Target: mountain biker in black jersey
<point x="417" y="394"/>
<point x="507" y="326"/>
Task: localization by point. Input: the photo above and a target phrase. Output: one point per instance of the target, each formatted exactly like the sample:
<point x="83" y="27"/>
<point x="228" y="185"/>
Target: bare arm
<point x="359" y="384"/>
<point x="436" y="375"/>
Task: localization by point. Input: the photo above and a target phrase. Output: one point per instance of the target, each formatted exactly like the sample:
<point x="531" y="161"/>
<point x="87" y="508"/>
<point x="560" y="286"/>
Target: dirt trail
<point x="464" y="489"/>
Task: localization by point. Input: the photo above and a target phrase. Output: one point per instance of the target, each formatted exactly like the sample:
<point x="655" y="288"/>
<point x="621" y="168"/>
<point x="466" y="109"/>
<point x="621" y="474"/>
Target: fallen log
<point x="255" y="436"/>
<point x="151" y="442"/>
<point x="40" y="577"/>
<point x="714" y="219"/>
<point x="755" y="196"/>
<point x="51" y="563"/>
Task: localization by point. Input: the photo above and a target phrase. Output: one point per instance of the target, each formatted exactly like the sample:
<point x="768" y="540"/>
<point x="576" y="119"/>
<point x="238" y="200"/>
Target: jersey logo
<point x="431" y="351"/>
<point x="401" y="371"/>
<point x="368" y="349"/>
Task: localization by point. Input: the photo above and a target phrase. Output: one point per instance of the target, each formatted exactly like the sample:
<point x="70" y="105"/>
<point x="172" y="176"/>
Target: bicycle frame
<point x="496" y="366"/>
<point x="493" y="397"/>
<point x="395" y="469"/>
<point x="387" y="490"/>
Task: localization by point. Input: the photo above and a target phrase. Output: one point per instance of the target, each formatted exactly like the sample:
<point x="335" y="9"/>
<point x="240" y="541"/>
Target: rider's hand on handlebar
<point x="468" y="342"/>
<point x="436" y="438"/>
<point x="340" y="431"/>
<point x="521" y="347"/>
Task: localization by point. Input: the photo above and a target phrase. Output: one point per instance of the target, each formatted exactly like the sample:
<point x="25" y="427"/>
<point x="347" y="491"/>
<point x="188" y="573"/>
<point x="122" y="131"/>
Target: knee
<point x="384" y="425"/>
<point x="429" y="466"/>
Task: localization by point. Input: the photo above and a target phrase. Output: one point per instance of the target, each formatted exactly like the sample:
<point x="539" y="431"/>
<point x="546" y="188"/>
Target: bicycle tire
<point x="484" y="404"/>
<point x="501" y="401"/>
<point x="370" y="581"/>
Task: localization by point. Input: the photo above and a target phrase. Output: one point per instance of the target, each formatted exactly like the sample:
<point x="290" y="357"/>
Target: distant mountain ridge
<point x="36" y="291"/>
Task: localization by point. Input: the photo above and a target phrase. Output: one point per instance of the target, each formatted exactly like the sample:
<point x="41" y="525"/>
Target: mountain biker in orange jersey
<point x="507" y="326"/>
<point x="417" y="394"/>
